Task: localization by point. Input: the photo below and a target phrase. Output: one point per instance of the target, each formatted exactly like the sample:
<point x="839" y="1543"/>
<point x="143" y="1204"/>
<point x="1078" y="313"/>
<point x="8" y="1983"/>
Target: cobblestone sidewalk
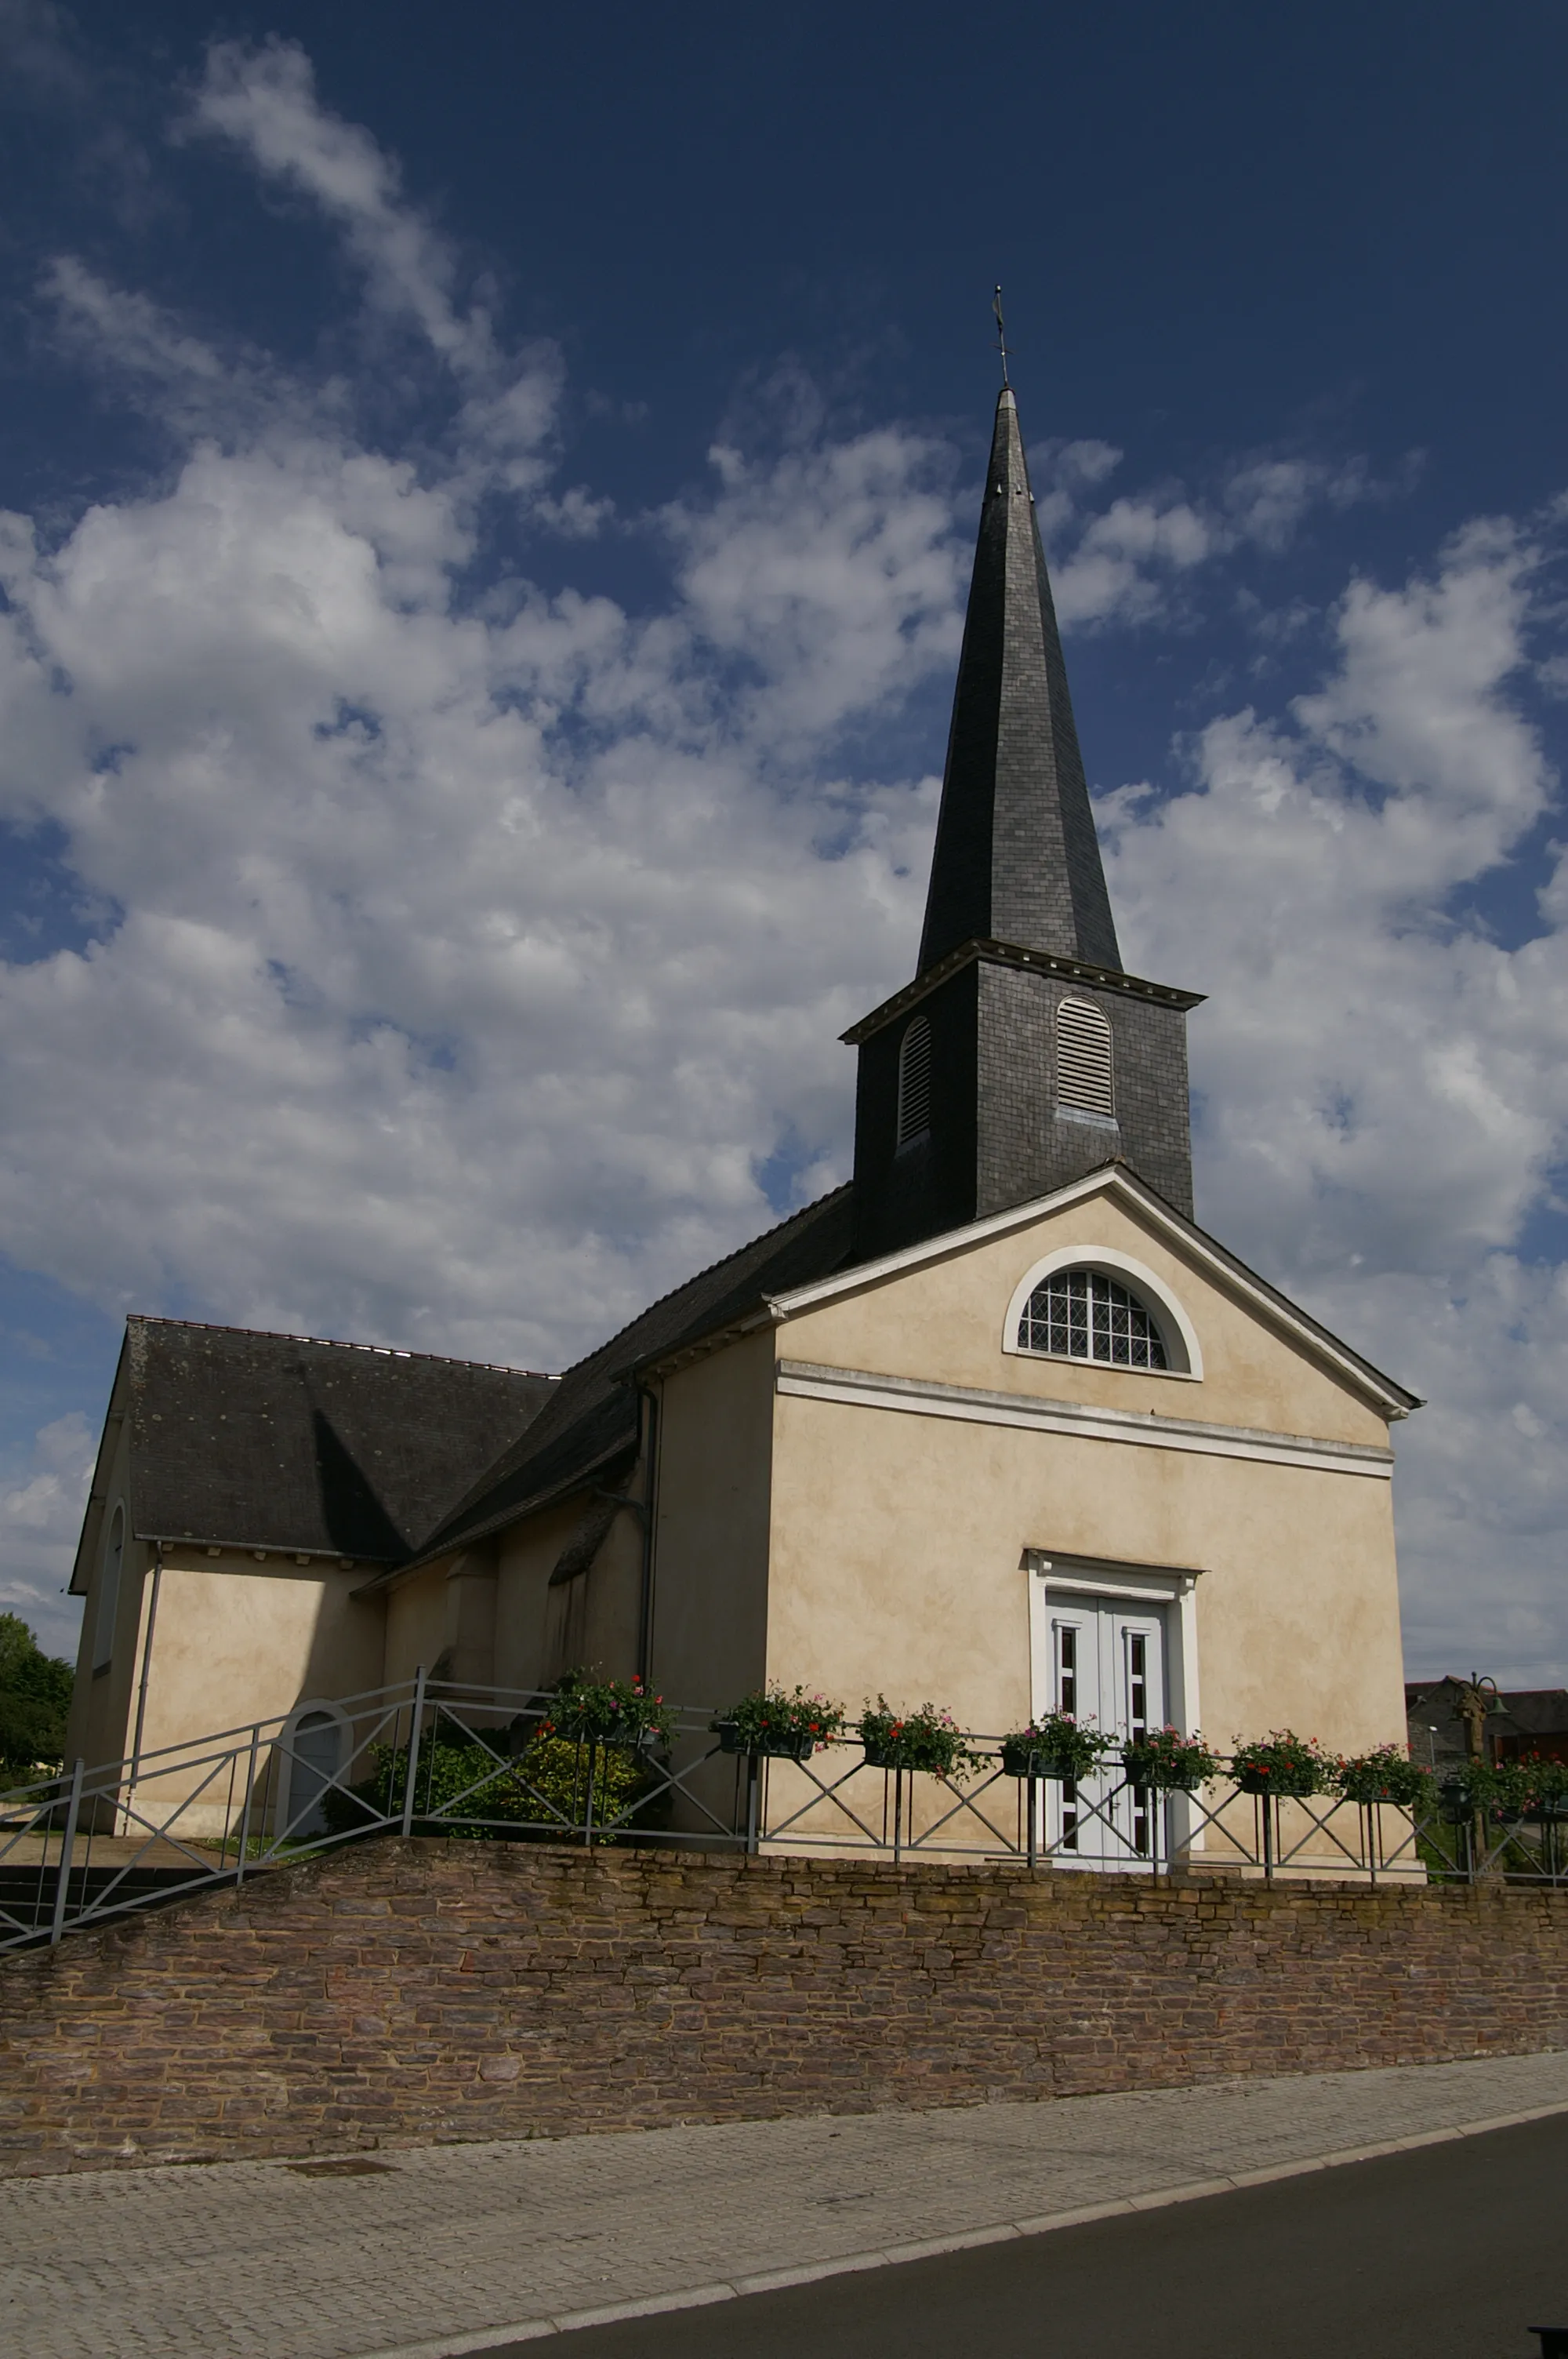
<point x="441" y="2250"/>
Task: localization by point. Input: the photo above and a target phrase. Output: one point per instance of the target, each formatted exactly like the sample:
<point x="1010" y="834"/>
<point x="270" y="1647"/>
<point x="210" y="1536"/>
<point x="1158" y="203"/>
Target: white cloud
<point x="40" y="1515"/>
<point x="469" y="951"/>
<point x="1384" y="1086"/>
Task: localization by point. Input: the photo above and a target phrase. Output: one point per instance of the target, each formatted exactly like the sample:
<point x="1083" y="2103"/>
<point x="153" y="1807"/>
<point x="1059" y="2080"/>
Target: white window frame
<point x="1183" y="1352"/>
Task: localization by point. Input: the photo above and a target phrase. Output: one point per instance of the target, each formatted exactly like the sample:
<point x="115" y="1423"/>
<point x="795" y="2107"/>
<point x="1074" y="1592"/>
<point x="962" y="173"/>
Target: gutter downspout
<point x="146" y="1672"/>
<point x="650" y="1511"/>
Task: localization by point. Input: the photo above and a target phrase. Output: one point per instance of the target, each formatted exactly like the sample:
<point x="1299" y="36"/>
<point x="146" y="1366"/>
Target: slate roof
<point x="592" y="1418"/>
<point x="1017" y="858"/>
<point x="288" y="1443"/>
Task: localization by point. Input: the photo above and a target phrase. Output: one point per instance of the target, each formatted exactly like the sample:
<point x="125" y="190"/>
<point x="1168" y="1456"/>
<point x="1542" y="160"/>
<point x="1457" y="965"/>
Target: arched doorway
<point x="311" y="1756"/>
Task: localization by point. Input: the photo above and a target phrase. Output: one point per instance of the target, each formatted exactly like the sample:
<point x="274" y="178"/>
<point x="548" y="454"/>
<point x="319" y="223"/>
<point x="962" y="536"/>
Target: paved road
<point x="1450" y="2253"/>
<point x="433" y="2252"/>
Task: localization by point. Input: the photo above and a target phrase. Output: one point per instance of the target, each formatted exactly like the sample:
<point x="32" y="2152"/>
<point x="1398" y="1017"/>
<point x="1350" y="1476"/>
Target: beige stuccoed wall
<point x="943" y="1322"/>
<point x="236" y="1643"/>
<point x="416" y="1612"/>
<point x="897" y="1540"/>
<point x="897" y="1566"/>
<point x="716" y="1428"/>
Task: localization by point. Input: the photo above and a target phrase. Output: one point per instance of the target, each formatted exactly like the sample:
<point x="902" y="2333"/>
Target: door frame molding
<point x="1054" y="1571"/>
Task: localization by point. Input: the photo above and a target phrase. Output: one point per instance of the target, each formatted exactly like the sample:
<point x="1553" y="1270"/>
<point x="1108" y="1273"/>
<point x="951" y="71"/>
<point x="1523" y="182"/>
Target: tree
<point x="35" y="1694"/>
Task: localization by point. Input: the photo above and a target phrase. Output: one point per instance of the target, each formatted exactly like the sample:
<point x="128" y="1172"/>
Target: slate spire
<point x="1017" y="858"/>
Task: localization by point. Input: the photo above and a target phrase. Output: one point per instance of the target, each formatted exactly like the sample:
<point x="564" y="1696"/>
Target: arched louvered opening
<point x="915" y="1082"/>
<point x="1083" y="1058"/>
<point x="1082" y="1314"/>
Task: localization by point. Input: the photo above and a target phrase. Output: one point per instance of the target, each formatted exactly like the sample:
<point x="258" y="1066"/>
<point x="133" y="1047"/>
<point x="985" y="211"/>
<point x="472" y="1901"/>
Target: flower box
<point x="1054" y="1745"/>
<point x="1387" y="1775"/>
<point x="606" y="1712"/>
<point x="928" y="1740"/>
<point x="767" y="1744"/>
<point x="1168" y="1761"/>
<point x="1285" y="1764"/>
<point x="776" y="1724"/>
<point x="1157" y="1773"/>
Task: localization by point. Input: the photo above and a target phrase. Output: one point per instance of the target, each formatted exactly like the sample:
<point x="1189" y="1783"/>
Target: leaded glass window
<point x="1081" y="1314"/>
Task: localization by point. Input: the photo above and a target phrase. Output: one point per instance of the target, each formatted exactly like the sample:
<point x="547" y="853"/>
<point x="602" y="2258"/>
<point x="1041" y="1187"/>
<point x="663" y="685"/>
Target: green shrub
<point x="460" y="1788"/>
<point x="35" y="1696"/>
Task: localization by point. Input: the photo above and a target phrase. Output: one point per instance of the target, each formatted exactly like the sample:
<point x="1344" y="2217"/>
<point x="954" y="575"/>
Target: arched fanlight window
<point x="915" y="1082"/>
<point x="1082" y="1314"/>
<point x="109" y="1592"/>
<point x="1082" y="1058"/>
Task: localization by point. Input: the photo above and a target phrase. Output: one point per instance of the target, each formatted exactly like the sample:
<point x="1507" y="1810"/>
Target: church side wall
<point x="711" y="1544"/>
<point x="416" y="1624"/>
<point x="586" y="1624"/>
<point x="102" y="1706"/>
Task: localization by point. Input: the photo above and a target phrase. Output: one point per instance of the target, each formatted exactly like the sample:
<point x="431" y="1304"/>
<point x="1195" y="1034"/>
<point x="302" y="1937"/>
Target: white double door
<point x="1103" y="1660"/>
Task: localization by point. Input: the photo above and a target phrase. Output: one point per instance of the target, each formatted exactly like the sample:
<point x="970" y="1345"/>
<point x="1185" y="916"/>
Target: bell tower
<point x="1023" y="1055"/>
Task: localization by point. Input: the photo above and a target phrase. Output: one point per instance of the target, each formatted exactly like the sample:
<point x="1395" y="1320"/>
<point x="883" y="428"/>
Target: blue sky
<point x="488" y="502"/>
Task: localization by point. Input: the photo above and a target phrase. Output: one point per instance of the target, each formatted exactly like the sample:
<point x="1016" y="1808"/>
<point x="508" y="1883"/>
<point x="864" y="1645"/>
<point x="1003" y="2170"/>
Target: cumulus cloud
<point x="472" y="950"/>
<point x="40" y="1515"/>
<point x="1383" y="1100"/>
<point x="1133" y="561"/>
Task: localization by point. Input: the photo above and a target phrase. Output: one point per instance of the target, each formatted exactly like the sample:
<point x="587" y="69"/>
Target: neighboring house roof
<point x="1518" y="1714"/>
<point x="593" y="1417"/>
<point x="289" y="1442"/>
<point x="1538" y="1711"/>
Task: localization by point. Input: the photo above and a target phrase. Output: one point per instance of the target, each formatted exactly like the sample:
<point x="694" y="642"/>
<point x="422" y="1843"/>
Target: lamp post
<point x="1477" y="1699"/>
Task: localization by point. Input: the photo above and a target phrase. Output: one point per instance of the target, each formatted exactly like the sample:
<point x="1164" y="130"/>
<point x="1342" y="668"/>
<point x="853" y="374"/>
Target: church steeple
<point x="1022" y="1056"/>
<point x="1017" y="858"/>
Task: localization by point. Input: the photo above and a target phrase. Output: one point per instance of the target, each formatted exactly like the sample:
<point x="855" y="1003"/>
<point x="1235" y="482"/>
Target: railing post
<point x="413" y="1770"/>
<point x="245" y="1813"/>
<point x="67" y="1847"/>
<point x="753" y="1769"/>
<point x="1031" y="1791"/>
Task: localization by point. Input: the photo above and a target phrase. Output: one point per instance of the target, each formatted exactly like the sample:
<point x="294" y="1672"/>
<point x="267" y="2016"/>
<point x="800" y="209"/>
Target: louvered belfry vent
<point x="1083" y="1058"/>
<point x="914" y="1082"/>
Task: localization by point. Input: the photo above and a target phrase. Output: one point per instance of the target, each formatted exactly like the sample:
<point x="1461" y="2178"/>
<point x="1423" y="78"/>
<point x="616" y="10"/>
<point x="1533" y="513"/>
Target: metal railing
<point x="87" y="1847"/>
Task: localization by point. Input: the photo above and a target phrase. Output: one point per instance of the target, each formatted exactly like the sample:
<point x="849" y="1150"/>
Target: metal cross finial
<point x="1001" y="332"/>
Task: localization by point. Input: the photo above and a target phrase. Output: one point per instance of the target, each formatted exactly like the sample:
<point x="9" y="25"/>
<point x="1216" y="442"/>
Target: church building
<point x="994" y="1424"/>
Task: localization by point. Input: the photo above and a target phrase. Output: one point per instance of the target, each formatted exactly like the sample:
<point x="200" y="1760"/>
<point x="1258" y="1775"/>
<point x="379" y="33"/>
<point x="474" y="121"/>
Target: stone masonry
<point x="405" y="1993"/>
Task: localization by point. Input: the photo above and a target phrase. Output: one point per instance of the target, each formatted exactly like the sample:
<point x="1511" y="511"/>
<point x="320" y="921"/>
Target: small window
<point x="1083" y="1058"/>
<point x="914" y="1082"/>
<point x="1081" y="1314"/>
<point x="109" y="1593"/>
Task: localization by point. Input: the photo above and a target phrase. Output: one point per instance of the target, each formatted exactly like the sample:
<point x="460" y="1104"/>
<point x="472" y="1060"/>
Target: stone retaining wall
<point x="399" y="1993"/>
